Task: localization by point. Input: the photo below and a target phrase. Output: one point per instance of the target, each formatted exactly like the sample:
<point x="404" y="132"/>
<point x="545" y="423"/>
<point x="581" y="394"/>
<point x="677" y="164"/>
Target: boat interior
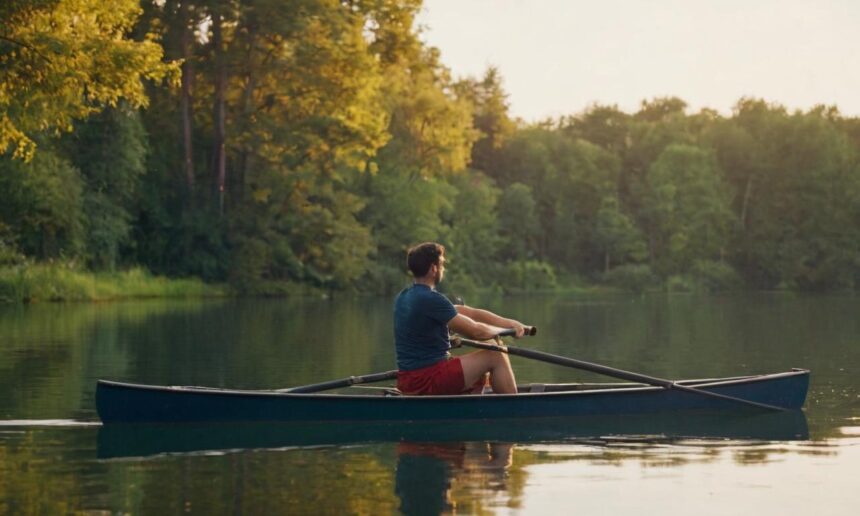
<point x="545" y="387"/>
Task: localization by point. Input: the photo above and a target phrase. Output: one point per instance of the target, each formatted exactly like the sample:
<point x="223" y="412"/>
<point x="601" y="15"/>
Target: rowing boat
<point x="119" y="402"/>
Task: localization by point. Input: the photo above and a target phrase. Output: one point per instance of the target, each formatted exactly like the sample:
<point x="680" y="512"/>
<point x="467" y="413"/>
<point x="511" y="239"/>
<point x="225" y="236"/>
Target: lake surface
<point x="52" y="447"/>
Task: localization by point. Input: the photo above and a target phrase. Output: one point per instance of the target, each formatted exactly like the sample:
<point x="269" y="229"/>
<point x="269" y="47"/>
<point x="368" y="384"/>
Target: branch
<point x="25" y="45"/>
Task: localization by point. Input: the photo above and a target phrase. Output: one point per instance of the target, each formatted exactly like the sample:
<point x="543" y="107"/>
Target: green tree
<point x="42" y="205"/>
<point x="617" y="236"/>
<point x="606" y="126"/>
<point x="518" y="222"/>
<point x="110" y="151"/>
<point x="401" y="211"/>
<point x="474" y="239"/>
<point x="63" y="60"/>
<point x="490" y="117"/>
<point x="688" y="207"/>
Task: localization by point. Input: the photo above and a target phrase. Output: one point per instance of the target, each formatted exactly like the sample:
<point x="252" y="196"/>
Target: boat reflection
<point x="140" y="440"/>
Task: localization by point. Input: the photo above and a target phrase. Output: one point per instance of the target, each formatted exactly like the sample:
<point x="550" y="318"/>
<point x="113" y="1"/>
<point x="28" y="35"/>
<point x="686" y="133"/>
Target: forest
<point x="276" y="145"/>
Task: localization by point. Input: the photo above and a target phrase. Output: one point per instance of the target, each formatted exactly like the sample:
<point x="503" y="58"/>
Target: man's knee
<point x="496" y="359"/>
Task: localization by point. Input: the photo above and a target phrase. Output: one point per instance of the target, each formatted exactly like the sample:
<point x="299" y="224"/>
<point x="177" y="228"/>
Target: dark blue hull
<point x="121" y="402"/>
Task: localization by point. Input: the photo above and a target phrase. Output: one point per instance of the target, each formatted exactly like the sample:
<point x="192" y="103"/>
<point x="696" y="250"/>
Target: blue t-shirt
<point x="421" y="318"/>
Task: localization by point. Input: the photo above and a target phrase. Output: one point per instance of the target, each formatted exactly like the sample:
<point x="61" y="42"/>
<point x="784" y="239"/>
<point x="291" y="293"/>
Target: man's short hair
<point x="421" y="257"/>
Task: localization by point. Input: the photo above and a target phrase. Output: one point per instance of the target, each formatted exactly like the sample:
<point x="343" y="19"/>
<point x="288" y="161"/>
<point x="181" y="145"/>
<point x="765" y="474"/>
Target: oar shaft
<point x="343" y="382"/>
<point x="610" y="371"/>
<point x="570" y="362"/>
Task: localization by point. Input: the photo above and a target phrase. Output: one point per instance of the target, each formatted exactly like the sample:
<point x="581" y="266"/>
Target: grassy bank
<point x="27" y="283"/>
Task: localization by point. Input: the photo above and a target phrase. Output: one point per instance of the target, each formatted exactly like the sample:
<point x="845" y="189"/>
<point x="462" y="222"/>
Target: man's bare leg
<point x="496" y="363"/>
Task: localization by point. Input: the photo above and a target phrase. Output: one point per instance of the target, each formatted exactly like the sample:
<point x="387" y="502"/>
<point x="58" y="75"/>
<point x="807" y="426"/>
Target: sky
<point x="557" y="57"/>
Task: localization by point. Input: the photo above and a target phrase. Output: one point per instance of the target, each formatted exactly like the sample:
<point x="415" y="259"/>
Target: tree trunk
<point x="747" y="195"/>
<point x="247" y="112"/>
<point x="185" y="104"/>
<point x="219" y="160"/>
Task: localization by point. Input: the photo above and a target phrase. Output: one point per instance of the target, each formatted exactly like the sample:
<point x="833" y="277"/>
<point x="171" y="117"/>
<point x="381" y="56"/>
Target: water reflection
<point x="427" y="472"/>
<point x="140" y="440"/>
<point x="415" y="476"/>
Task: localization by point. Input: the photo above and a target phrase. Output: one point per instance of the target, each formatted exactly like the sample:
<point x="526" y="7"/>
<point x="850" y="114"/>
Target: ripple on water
<point x="46" y="422"/>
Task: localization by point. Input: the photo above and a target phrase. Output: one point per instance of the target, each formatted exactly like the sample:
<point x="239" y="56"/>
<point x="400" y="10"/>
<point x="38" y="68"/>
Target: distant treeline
<point x="275" y="143"/>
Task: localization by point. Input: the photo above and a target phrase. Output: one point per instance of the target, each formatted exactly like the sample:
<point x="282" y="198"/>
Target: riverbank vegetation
<point x="270" y="145"/>
<point x="63" y="282"/>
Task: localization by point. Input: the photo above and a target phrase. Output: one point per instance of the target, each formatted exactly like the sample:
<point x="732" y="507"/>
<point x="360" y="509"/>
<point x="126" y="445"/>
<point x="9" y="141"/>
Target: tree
<point x="110" y="151"/>
<point x="617" y="236"/>
<point x="490" y="117"/>
<point x="474" y="239"/>
<point x="606" y="126"/>
<point x="42" y="204"/>
<point x="518" y="222"/>
<point x="66" y="59"/>
<point x="688" y="209"/>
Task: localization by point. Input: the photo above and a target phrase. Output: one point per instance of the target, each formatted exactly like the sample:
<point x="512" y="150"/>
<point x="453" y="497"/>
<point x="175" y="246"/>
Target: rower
<point x="422" y="320"/>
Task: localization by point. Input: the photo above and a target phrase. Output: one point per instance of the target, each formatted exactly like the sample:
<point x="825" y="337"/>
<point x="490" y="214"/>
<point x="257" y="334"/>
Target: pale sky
<point x="558" y="56"/>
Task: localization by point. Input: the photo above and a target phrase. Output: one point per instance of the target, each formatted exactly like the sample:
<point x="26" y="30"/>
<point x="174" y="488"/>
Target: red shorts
<point x="443" y="377"/>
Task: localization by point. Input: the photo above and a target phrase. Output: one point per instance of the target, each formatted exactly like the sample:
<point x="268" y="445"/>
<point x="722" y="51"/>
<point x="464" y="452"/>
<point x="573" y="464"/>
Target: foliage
<point x="490" y="117"/>
<point x="110" y="151"/>
<point x="311" y="142"/>
<point x="617" y="235"/>
<point x="633" y="277"/>
<point x="64" y="281"/>
<point x="715" y="276"/>
<point x="688" y="209"/>
<point x="474" y="239"/>
<point x="529" y="275"/>
<point x="518" y="222"/>
<point x="42" y="205"/>
<point x="63" y="60"/>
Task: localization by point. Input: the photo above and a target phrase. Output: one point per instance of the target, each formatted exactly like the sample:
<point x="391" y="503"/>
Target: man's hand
<point x="519" y="328"/>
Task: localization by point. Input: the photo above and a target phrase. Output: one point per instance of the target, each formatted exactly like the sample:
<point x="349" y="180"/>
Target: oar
<point x="343" y="382"/>
<point x="605" y="370"/>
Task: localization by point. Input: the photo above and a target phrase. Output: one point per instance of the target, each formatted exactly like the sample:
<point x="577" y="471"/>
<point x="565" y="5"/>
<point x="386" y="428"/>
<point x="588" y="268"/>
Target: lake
<point x="54" y="459"/>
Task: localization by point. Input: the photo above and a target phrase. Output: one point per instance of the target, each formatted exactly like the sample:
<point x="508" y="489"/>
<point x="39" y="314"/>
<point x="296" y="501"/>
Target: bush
<point x="715" y="276"/>
<point x="529" y="275"/>
<point x="633" y="277"/>
<point x="12" y="284"/>
<point x="680" y="283"/>
<point x="9" y="254"/>
<point x="250" y="264"/>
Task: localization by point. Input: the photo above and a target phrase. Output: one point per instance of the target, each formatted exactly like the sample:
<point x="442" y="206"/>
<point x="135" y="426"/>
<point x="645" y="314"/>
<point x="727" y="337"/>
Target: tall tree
<point x="617" y="236"/>
<point x="688" y="208"/>
<point x="490" y="117"/>
<point x="110" y="151"/>
<point x="518" y="222"/>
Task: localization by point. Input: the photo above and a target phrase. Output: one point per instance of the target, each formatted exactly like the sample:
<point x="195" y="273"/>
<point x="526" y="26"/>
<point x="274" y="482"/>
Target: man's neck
<point x="427" y="282"/>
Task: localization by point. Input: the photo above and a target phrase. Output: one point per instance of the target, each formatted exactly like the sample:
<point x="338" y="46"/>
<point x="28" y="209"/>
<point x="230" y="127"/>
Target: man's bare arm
<point x="470" y="328"/>
<point x="489" y="318"/>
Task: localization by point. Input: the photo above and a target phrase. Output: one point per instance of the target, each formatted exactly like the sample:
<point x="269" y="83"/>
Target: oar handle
<point x="531" y="331"/>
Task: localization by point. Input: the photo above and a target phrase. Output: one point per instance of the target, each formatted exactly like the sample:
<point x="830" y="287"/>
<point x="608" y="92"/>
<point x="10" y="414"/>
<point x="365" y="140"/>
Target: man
<point x="422" y="317"/>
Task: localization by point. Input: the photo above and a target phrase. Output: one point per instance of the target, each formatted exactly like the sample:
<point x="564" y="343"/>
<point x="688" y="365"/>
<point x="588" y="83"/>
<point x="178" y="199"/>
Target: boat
<point x="148" y="439"/>
<point x="119" y="402"/>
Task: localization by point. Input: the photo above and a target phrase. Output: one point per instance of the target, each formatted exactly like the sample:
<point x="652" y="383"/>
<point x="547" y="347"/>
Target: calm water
<point x="50" y="442"/>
